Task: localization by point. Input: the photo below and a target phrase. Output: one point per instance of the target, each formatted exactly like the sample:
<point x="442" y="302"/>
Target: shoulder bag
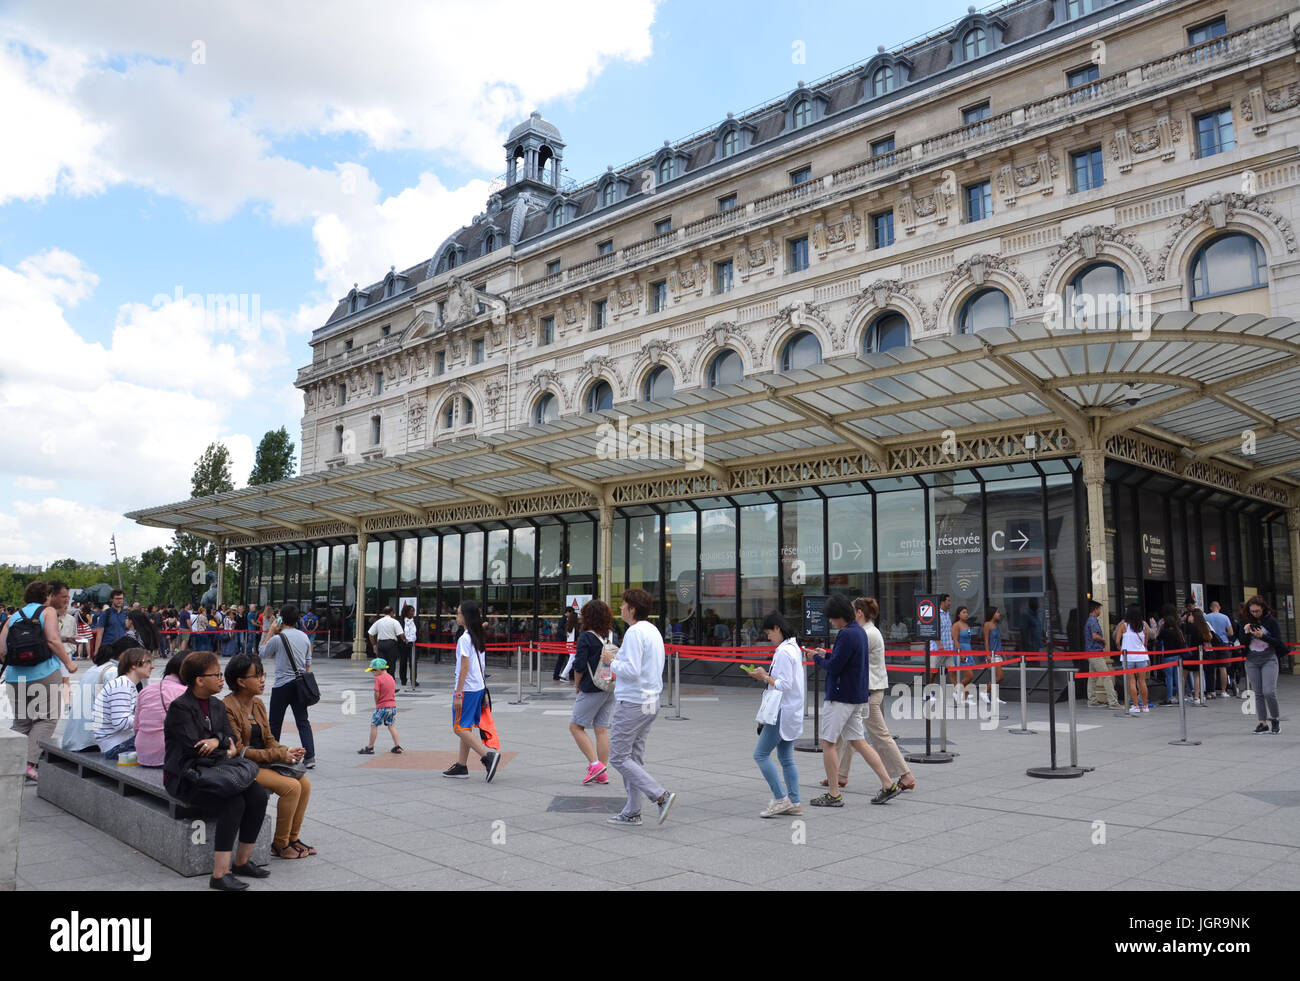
<point x="769" y="709"/>
<point x="304" y="681"/>
<point x="295" y="770"/>
<point x="602" y="677"/>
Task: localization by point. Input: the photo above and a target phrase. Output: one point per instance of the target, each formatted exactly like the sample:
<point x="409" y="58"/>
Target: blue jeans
<point x="1171" y="678"/>
<point x="119" y="749"/>
<point x="770" y="739"/>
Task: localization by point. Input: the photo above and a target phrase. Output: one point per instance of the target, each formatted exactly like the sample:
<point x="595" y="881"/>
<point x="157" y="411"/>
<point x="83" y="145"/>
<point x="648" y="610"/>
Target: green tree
<point x="274" y="458"/>
<point x="176" y="582"/>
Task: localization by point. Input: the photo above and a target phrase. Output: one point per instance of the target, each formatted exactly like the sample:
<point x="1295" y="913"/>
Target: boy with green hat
<point x="385" y="713"/>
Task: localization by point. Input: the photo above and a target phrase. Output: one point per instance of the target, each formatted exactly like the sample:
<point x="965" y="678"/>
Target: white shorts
<point x="843" y="720"/>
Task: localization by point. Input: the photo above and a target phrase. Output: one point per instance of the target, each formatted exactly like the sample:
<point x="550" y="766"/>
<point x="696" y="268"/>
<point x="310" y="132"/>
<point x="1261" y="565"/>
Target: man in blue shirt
<point x="1222" y="626"/>
<point x="112" y="622"/>
<point x="1101" y="691"/>
<point x="848" y="693"/>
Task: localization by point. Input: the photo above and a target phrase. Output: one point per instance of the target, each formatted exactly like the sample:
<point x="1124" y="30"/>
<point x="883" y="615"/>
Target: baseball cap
<point x="378" y="664"/>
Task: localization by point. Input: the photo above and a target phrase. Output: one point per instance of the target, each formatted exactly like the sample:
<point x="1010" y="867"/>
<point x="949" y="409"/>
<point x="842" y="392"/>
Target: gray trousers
<point x="36" y="709"/>
<point x="1261" y="672"/>
<point x="631" y="725"/>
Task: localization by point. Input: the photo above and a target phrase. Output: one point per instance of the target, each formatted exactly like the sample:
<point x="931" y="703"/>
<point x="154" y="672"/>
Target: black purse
<point x="220" y="776"/>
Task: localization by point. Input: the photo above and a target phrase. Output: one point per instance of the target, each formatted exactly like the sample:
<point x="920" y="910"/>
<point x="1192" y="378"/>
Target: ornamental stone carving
<point x="1218" y="210"/>
<point x="757" y="261"/>
<point x="722" y="335"/>
<point x="687" y="280"/>
<point x="1162" y="136"/>
<point x="415" y="416"/>
<point x="1089" y="242"/>
<point x="881" y="294"/>
<point x="805" y="316"/>
<point x="977" y="268"/>
<point x="461" y="304"/>
<point x="836" y="235"/>
<point x="1280" y="100"/>
<point x="493" y="393"/>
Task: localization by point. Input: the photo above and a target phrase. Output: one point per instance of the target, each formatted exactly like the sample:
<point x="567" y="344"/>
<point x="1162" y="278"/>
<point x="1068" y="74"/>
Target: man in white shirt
<point x="387" y="634"/>
<point x="638" y="670"/>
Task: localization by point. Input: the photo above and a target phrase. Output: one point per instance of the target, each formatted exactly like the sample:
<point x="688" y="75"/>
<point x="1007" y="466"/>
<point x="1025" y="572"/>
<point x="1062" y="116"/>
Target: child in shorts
<point x="385" y="713"/>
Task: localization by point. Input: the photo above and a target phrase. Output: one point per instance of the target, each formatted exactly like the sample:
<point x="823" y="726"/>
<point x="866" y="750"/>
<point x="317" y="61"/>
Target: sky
<point x="161" y="157"/>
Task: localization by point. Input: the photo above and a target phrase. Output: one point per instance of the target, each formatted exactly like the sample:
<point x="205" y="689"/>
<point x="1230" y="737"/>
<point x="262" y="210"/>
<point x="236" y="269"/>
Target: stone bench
<point x="131" y="804"/>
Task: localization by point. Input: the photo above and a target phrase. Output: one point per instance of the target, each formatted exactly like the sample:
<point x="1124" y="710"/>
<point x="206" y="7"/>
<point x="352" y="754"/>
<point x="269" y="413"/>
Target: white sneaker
<point x="984" y="697"/>
<point x="956" y="698"/>
<point x="1134" y="710"/>
<point x="775" y="808"/>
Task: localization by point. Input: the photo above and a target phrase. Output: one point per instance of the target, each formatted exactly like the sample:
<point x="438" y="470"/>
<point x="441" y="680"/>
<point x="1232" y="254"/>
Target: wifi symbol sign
<point x="964" y="584"/>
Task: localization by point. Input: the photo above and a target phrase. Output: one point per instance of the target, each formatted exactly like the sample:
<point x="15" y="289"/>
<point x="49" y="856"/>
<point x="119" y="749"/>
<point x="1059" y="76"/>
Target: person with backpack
<point x="594" y="706"/>
<point x="33" y="653"/>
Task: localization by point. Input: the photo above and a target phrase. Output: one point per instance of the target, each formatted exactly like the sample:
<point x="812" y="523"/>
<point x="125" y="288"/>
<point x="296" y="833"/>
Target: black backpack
<point x="26" y="644"/>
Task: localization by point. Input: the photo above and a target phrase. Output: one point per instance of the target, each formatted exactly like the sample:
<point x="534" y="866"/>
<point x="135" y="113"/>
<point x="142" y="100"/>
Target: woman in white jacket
<point x="789" y="678"/>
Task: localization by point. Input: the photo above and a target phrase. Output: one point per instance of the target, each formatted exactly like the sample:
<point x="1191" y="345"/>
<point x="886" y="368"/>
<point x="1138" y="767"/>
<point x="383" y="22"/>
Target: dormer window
<point x="976" y="36"/>
<point x="607" y="195"/>
<point x="730" y="143"/>
<point x="669" y="164"/>
<point x="666" y="170"/>
<point x="803" y="107"/>
<point x="882" y="81"/>
<point x="976" y="44"/>
<point x="732" y="137"/>
<point x="802" y="114"/>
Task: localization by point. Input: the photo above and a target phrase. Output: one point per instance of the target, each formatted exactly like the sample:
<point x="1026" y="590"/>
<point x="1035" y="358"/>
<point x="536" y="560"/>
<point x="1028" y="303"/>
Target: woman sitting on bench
<point x="196" y="726"/>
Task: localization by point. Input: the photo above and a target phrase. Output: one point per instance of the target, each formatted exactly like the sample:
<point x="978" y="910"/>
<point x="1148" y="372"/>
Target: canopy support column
<point x="359" y="616"/>
<point x="606" y="554"/>
<point x="1094" y="486"/>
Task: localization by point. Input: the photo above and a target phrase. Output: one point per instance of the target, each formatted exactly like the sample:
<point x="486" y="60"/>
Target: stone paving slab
<point x="1216" y="816"/>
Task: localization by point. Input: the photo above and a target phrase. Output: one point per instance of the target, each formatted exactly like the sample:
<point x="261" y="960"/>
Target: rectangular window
<point x="881" y="147"/>
<point x="798" y="261"/>
<point x="338" y="439"/>
<point x="553" y="267"/>
<point x="975" y="114"/>
<point x="478" y="351"/>
<point x="379" y="383"/>
<point x="440" y="362"/>
<point x="659" y="296"/>
<point x="347" y="345"/>
<point x="1214" y="133"/>
<point x="882" y="229"/>
<point x="1207" y="31"/>
<point x="605" y="248"/>
<point x="374" y="431"/>
<point x="663" y="226"/>
<point x="979" y="201"/>
<point x="1082" y="76"/>
<point x="442" y="310"/>
<point x="1077" y="8"/>
<point x="386" y="330"/>
<point x="801" y="176"/>
<point x="548" y="331"/>
<point x="726" y="203"/>
<point x="722" y="276"/>
<point x="598" y="314"/>
<point x="1087" y="169"/>
<point x="343" y="395"/>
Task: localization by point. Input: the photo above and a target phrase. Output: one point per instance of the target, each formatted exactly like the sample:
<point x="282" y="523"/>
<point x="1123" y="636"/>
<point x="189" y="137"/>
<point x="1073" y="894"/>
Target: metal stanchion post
<point x="675" y="678"/>
<point x="943" y="708"/>
<point x="539" y="671"/>
<point x="519" y="677"/>
<point x="1200" y="656"/>
<point x="1124" y="709"/>
<point x="1182" y="709"/>
<point x="1024" y="729"/>
<point x="673" y="696"/>
<point x="930" y="755"/>
<point x="1054" y="771"/>
<point x="813" y="746"/>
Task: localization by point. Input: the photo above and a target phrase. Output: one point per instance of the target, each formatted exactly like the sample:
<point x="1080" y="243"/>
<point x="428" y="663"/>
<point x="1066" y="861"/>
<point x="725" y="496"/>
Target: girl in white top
<point x="789" y="678"/>
<point x="1132" y="644"/>
<point x="468" y="693"/>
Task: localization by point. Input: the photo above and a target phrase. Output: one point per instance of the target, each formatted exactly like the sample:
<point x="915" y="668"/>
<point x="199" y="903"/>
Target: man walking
<point x="944" y="643"/>
<point x="1101" y="691"/>
<point x="112" y="622"/>
<point x="387" y="635"/>
<point x="638" y="669"/>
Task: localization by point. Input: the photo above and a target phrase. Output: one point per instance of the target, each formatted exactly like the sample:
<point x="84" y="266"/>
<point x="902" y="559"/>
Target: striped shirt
<point x="115" y="713"/>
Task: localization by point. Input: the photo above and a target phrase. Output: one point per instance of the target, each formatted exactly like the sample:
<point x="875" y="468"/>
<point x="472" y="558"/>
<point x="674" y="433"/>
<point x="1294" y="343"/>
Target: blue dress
<point x="963" y="641"/>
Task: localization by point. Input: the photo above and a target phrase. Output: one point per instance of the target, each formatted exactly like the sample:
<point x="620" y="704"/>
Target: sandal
<point x="908" y="786"/>
<point x="303" y="847"/>
<point x="367" y="751"/>
<point x="398" y="750"/>
<point x="843" y="783"/>
<point x="287" y="851"/>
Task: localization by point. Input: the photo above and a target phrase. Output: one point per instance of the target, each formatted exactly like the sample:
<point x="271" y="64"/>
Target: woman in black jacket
<point x="196" y="726"/>
<point x="1264" y="645"/>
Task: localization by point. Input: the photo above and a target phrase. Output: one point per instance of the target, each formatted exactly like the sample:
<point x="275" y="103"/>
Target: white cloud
<point x="34" y="484"/>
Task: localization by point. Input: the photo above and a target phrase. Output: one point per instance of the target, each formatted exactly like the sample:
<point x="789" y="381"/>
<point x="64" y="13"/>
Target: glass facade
<point x="1006" y="536"/>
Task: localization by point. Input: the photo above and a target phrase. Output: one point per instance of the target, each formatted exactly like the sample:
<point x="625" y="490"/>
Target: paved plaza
<point x="1221" y="815"/>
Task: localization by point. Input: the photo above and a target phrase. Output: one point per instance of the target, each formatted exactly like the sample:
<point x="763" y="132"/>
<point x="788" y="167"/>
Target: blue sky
<point x="271" y="167"/>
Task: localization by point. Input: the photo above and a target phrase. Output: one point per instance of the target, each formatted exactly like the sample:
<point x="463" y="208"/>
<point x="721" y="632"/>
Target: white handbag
<point x="769" y="709"/>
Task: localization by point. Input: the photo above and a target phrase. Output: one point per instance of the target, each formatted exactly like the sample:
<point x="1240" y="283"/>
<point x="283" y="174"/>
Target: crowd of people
<point x="224" y="755"/>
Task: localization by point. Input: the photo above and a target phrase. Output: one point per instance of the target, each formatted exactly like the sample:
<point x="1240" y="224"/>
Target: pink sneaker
<point x="594" y="771"/>
<point x="603" y="778"/>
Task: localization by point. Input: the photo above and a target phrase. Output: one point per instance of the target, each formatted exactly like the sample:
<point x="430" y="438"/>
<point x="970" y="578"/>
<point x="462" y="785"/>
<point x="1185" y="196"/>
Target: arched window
<point x="449" y="414"/>
<point x="600" y="397"/>
<point x="726" y="369"/>
<point x="985" y="310"/>
<point x="888" y="331"/>
<point x="801" y="351"/>
<point x="607" y="194"/>
<point x="558" y="216"/>
<point x="466" y="412"/>
<point x="548" y="410"/>
<point x="976" y="43"/>
<point x="546" y="165"/>
<point x="1228" y="264"/>
<point x="882" y="81"/>
<point x="451" y="258"/>
<point x="730" y="143"/>
<point x="802" y="113"/>
<point x="659" y="385"/>
<point x="666" y="170"/>
<point x="1096" y="299"/>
